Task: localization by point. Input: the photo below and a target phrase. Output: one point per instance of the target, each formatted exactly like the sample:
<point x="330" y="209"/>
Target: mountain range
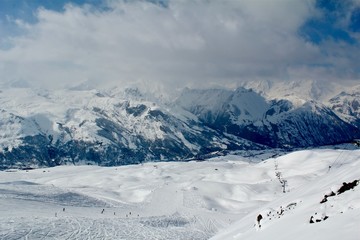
<point x="118" y="126"/>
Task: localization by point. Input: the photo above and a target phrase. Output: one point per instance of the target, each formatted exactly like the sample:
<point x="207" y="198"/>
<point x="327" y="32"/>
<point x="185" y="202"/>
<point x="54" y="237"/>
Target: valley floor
<point x="218" y="198"/>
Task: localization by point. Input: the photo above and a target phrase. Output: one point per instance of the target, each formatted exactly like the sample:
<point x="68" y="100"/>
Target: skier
<point x="259" y="217"/>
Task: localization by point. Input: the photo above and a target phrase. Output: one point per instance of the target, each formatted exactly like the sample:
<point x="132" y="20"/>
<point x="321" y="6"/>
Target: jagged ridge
<point x="116" y="127"/>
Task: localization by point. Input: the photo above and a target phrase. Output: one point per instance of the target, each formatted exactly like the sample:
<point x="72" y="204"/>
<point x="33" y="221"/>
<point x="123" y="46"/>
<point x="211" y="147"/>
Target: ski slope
<point x="219" y="199"/>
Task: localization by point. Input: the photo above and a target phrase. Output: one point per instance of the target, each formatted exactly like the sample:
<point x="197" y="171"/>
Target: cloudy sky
<point x="177" y="43"/>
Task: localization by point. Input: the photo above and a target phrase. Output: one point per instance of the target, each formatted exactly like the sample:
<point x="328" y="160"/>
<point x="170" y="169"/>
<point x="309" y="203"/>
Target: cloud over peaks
<point x="180" y="43"/>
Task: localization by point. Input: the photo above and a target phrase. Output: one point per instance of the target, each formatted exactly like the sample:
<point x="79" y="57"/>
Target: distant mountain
<point x="275" y="123"/>
<point x="125" y="126"/>
<point x="347" y="105"/>
<point x="114" y="127"/>
<point x="298" y="90"/>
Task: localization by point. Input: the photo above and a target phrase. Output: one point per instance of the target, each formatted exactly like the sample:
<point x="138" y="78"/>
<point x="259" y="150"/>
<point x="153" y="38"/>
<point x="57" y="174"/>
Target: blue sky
<point x="26" y="10"/>
<point x="208" y="40"/>
<point x="315" y="29"/>
<point x="318" y="29"/>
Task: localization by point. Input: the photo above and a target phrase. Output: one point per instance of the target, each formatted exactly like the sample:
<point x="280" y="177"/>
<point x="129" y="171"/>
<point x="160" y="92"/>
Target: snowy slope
<point x="218" y="198"/>
<point x="290" y="215"/>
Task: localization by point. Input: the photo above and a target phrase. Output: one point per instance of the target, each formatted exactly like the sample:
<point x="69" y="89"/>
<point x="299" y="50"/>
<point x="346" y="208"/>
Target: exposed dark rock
<point x="347" y="186"/>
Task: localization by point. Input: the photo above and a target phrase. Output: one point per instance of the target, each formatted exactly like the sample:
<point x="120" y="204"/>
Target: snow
<point x="38" y="111"/>
<point x="244" y="105"/>
<point x="219" y="198"/>
<point x="299" y="91"/>
<point x="308" y="183"/>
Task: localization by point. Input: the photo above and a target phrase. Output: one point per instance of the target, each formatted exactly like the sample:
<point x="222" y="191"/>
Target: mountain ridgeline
<point x="275" y="123"/>
<point x="117" y="127"/>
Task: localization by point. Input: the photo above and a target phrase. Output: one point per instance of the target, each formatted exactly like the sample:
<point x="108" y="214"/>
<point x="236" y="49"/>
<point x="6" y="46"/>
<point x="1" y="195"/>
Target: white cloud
<point x="189" y="43"/>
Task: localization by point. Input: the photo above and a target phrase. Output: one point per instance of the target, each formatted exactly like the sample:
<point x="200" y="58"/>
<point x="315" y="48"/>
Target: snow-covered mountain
<point x="289" y="121"/>
<point x="113" y="127"/>
<point x="123" y="126"/>
<point x="347" y="104"/>
<point x="298" y="90"/>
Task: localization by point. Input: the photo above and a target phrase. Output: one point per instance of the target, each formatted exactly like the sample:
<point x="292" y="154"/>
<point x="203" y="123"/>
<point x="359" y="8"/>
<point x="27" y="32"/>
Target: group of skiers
<point x="102" y="212"/>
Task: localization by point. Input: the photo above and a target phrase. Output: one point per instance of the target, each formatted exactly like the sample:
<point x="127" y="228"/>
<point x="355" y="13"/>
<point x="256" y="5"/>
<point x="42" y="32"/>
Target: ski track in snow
<point x="192" y="200"/>
<point x="106" y="228"/>
<point x="102" y="226"/>
<point x="35" y="211"/>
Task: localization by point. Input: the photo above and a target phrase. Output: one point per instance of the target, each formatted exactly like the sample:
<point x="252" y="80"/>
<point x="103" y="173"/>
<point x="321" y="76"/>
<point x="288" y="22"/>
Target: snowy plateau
<point x="297" y="195"/>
